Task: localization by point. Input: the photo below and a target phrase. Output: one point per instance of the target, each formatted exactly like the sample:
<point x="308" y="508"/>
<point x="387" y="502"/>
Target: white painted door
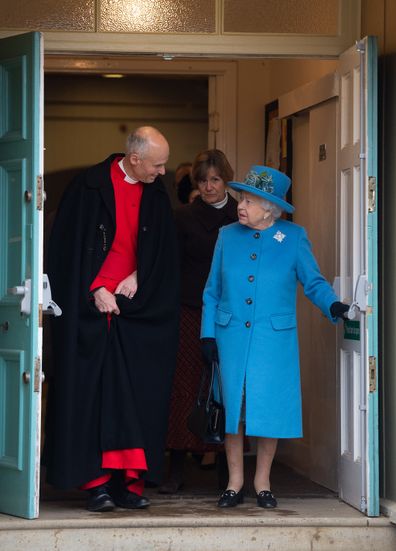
<point x="357" y="340"/>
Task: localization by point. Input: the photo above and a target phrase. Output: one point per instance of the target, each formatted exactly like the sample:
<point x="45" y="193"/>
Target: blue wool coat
<point x="250" y="308"/>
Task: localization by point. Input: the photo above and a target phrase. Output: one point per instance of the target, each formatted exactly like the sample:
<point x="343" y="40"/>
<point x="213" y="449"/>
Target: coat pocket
<point x="222" y="317"/>
<point x="280" y="322"/>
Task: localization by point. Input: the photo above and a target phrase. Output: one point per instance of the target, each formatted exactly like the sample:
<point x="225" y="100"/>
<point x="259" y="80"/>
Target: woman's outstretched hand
<point x="339" y="309"/>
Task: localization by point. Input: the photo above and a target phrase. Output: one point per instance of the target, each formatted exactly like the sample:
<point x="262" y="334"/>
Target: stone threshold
<point x="197" y="525"/>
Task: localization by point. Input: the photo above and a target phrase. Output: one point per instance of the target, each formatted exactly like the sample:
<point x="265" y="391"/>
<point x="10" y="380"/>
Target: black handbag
<point x="207" y="419"/>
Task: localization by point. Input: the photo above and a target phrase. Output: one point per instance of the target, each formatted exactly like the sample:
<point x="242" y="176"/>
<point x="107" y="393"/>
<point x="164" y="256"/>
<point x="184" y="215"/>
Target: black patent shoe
<point x="100" y="500"/>
<point x="266" y="500"/>
<point x="130" y="500"/>
<point x="230" y="498"/>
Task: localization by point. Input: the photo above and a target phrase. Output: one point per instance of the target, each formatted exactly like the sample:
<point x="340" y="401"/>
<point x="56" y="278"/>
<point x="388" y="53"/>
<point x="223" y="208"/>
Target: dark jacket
<point x="197" y="228"/>
<point x="111" y="386"/>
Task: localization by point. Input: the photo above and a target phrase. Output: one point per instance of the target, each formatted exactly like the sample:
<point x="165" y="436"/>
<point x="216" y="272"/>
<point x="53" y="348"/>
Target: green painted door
<point x="21" y="202"/>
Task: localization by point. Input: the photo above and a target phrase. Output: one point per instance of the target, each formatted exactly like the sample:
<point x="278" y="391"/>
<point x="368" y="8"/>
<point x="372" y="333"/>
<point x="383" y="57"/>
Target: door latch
<point x="49" y="305"/>
<point x="359" y="303"/>
<point x="23" y="291"/>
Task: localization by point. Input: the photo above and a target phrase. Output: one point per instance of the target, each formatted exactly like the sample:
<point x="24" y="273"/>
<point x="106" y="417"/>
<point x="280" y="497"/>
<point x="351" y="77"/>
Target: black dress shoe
<point x="266" y="500"/>
<point x="130" y="500"/>
<point x="100" y="500"/>
<point x="230" y="498"/>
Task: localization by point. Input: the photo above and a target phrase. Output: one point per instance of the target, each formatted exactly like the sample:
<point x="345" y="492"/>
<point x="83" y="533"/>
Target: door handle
<point x="49" y="305"/>
<point x="53" y="308"/>
<point x="19" y="290"/>
<point x="25" y="292"/>
<point x="353" y="309"/>
<point x="359" y="302"/>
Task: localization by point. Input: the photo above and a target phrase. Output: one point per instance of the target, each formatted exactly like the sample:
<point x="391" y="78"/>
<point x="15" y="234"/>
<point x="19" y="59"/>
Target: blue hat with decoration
<point x="268" y="183"/>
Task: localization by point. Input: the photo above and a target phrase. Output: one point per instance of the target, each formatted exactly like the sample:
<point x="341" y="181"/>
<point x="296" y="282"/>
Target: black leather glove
<point x="338" y="309"/>
<point x="209" y="350"/>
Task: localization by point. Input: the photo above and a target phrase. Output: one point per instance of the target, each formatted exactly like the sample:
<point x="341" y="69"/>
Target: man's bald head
<point x="147" y="152"/>
<point x="144" y="137"/>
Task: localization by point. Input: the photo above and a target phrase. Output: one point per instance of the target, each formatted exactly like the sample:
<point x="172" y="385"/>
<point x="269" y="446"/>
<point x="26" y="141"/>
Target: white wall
<point x="260" y="82"/>
<point x="314" y="197"/>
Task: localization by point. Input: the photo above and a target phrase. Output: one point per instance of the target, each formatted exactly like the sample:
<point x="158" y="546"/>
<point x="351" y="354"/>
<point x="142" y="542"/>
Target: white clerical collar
<point x="127" y="178"/>
<point x="222" y="203"/>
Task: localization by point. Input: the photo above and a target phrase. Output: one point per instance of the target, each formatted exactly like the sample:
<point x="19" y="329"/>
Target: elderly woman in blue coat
<point x="249" y="324"/>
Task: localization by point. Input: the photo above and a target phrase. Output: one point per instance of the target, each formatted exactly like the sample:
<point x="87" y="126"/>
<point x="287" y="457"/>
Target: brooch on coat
<point x="279" y="236"/>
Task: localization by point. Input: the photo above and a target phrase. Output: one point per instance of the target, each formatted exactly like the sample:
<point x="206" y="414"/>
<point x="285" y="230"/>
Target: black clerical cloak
<point x="110" y="388"/>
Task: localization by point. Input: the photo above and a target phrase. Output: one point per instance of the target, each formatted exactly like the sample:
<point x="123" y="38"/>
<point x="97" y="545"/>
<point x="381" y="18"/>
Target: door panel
<point x="358" y="459"/>
<point x="20" y="272"/>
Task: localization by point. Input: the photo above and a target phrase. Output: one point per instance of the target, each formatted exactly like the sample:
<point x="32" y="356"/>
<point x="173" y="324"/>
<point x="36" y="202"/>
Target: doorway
<point x="101" y="111"/>
<point x="88" y="117"/>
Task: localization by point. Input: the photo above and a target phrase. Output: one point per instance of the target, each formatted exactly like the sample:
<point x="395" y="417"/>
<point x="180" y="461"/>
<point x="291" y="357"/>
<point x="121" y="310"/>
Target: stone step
<point x="182" y="524"/>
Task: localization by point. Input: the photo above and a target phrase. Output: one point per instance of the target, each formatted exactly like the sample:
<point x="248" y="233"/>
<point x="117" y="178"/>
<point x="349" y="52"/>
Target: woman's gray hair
<point x="274" y="209"/>
<point x="137" y="143"/>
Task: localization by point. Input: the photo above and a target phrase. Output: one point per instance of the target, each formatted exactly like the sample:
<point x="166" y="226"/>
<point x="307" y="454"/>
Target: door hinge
<point x="360" y="46"/>
<point x="37" y="374"/>
<point x="372" y="199"/>
<point x="40" y="192"/>
<point x="372" y="373"/>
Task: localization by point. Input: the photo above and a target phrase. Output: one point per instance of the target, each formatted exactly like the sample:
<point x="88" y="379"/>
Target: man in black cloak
<point x="113" y="270"/>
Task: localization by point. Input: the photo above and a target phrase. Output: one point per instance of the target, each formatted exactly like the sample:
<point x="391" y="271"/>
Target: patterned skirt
<point x="186" y="383"/>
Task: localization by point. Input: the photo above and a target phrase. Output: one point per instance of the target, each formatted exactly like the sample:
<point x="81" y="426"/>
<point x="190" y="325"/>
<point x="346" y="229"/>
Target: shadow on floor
<point x="285" y="483"/>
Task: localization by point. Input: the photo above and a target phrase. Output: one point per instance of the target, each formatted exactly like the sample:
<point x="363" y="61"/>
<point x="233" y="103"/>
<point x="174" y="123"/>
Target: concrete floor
<point x="309" y="517"/>
<point x="196" y="524"/>
<point x="190" y="510"/>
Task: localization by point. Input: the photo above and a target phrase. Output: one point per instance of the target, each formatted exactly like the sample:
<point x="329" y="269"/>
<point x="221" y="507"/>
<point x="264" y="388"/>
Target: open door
<point x="355" y="139"/>
<point x="358" y="283"/>
<point x="21" y="204"/>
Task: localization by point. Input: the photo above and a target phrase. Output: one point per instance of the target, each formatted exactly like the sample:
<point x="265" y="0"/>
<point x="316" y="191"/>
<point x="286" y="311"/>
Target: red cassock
<point x="120" y="263"/>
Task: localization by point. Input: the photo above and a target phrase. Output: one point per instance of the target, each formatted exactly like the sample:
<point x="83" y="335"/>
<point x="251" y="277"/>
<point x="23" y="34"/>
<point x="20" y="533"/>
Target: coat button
<point x="248" y="324"/>
<point x="253" y="256"/>
<point x="251" y="278"/>
<point x="249" y="301"/>
<point x="256" y="235"/>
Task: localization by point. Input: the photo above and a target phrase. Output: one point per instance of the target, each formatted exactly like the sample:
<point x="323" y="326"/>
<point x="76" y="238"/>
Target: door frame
<point x="222" y="76"/>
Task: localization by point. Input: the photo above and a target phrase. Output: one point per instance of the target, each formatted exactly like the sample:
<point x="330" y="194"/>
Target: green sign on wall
<point x="352" y="330"/>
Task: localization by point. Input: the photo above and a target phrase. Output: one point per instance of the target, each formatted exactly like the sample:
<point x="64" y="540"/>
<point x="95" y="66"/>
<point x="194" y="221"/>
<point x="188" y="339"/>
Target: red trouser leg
<point x="96" y="482"/>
